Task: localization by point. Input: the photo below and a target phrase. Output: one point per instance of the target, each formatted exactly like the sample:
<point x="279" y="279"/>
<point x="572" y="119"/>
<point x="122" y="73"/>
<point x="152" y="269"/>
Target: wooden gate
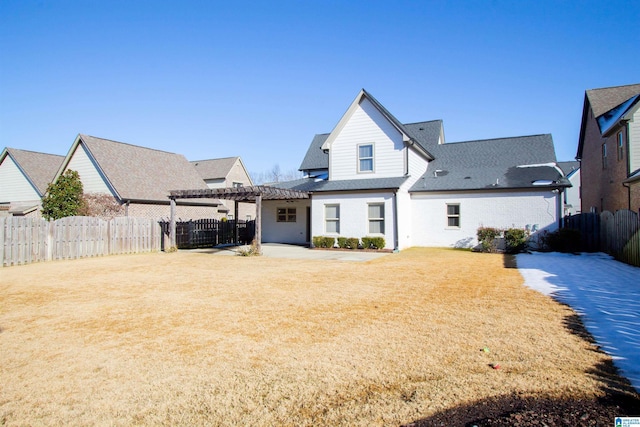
<point x="206" y="233"/>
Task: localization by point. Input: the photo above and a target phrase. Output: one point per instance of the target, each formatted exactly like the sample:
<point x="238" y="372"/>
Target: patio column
<point x="172" y="224"/>
<point x="258" y="235"/>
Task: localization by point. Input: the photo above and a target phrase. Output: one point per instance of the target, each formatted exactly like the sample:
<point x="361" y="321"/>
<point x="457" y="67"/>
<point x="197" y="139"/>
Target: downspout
<point x="395" y="222"/>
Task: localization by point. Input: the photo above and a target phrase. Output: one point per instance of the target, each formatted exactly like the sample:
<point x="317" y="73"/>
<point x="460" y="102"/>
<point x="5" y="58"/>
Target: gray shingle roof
<point x="140" y="173"/>
<point x="214" y="168"/>
<point x="40" y="168"/>
<point x="311" y="185"/>
<point x="315" y="158"/>
<point x="503" y="163"/>
<point x="607" y="98"/>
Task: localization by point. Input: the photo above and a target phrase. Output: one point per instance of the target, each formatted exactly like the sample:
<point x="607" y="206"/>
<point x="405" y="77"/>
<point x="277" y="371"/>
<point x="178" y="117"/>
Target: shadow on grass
<point x="619" y="398"/>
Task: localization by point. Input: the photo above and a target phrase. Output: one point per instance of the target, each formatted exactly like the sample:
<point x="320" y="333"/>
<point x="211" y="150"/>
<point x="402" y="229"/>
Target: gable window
<point x="332" y="218"/>
<point x="604" y="155"/>
<point x="286" y="214"/>
<point x="620" y="146"/>
<point x="453" y="215"/>
<point x="376" y="218"/>
<point x="237" y="184"/>
<point x="365" y="158"/>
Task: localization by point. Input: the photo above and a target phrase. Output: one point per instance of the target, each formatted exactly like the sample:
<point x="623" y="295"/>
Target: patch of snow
<point x="605" y="292"/>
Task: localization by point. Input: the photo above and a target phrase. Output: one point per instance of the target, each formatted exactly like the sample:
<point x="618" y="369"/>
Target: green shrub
<point x="515" y="240"/>
<point x="353" y="243"/>
<point x="64" y="197"/>
<point x="563" y="240"/>
<point x="487" y="238"/>
<point x="373" y="242"/>
<point x="348" y="242"/>
<point x="323" y="242"/>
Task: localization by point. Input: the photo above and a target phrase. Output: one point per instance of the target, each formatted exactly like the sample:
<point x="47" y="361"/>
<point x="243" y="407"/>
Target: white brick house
<point x="374" y="176"/>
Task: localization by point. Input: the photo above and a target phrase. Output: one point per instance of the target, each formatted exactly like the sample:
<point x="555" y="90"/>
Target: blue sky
<point x="212" y="79"/>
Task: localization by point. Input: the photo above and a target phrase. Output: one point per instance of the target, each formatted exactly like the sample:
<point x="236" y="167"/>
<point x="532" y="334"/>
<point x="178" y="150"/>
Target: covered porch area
<point x="252" y="194"/>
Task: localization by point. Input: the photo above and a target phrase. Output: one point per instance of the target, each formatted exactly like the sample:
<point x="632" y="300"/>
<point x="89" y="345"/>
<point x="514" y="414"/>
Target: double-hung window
<point x="453" y="215"/>
<point x="286" y="214"/>
<point x="332" y="219"/>
<point x="365" y="158"/>
<point x="376" y="218"/>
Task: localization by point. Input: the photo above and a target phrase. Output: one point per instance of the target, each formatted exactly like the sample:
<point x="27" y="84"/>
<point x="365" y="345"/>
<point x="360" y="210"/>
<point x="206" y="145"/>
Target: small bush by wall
<point x="515" y="240"/>
<point x="487" y="237"/>
<point x="348" y="242"/>
<point x="323" y="241"/>
<point x="373" y="242"/>
<point x="563" y="240"/>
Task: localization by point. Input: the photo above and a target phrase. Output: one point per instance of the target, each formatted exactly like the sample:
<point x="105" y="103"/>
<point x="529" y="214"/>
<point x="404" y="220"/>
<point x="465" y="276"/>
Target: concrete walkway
<point x="277" y="250"/>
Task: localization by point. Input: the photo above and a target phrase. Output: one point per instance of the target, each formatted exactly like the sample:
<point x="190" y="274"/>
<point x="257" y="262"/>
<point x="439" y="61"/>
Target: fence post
<point x="2" y="224"/>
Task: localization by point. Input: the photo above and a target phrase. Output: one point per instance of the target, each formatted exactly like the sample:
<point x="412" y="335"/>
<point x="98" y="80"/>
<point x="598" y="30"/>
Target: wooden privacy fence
<point x="210" y="232"/>
<point x="616" y="234"/>
<point x="26" y="240"/>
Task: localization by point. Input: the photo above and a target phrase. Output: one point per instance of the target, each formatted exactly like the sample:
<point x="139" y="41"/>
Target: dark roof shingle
<point x="140" y="173"/>
<point x="502" y="163"/>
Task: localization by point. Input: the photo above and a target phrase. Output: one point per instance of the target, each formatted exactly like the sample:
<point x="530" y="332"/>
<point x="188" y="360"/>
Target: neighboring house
<point x="609" y="149"/>
<point x="227" y="172"/>
<point x="571" y="196"/>
<point x="139" y="178"/>
<point x="24" y="177"/>
<point x="374" y="176"/>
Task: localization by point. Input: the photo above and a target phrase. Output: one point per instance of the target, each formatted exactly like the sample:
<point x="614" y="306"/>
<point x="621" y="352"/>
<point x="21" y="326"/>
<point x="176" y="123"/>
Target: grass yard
<point x="196" y="339"/>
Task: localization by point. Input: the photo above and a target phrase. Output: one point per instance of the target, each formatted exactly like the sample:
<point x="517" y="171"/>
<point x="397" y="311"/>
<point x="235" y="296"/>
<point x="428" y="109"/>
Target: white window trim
<point x="383" y="220"/>
<point x="453" y="227"/>
<point x="373" y="157"/>
<point x="335" y="220"/>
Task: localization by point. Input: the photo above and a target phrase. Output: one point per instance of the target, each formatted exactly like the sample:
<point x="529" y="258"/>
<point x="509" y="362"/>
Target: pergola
<point x="253" y="194"/>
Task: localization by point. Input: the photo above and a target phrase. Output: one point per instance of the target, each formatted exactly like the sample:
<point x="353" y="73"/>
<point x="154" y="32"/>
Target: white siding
<point x="353" y="215"/>
<point x="14" y="186"/>
<point x="634" y="141"/>
<point x="92" y="179"/>
<point x="572" y="195"/>
<point x="284" y="232"/>
<point x="501" y="210"/>
<point x="404" y="220"/>
<point x="417" y="165"/>
<point x="367" y="126"/>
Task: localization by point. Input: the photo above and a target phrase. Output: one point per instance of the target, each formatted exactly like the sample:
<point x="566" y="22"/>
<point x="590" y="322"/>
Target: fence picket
<point x="27" y="240"/>
<point x="616" y="234"/>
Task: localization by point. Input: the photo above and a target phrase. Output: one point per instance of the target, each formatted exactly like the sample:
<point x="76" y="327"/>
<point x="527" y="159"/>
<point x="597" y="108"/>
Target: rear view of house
<point x="24" y="177"/>
<point x="375" y="176"/>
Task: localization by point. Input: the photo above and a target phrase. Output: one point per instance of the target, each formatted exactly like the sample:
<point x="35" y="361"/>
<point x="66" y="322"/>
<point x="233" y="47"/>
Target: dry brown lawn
<point x="196" y="339"/>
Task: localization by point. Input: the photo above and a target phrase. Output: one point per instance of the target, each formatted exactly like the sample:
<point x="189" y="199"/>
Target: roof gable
<point x="215" y="168"/>
<point x="138" y="173"/>
<point x="601" y="101"/>
<point x="363" y="94"/>
<point x="607" y="98"/>
<point x="39" y="168"/>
